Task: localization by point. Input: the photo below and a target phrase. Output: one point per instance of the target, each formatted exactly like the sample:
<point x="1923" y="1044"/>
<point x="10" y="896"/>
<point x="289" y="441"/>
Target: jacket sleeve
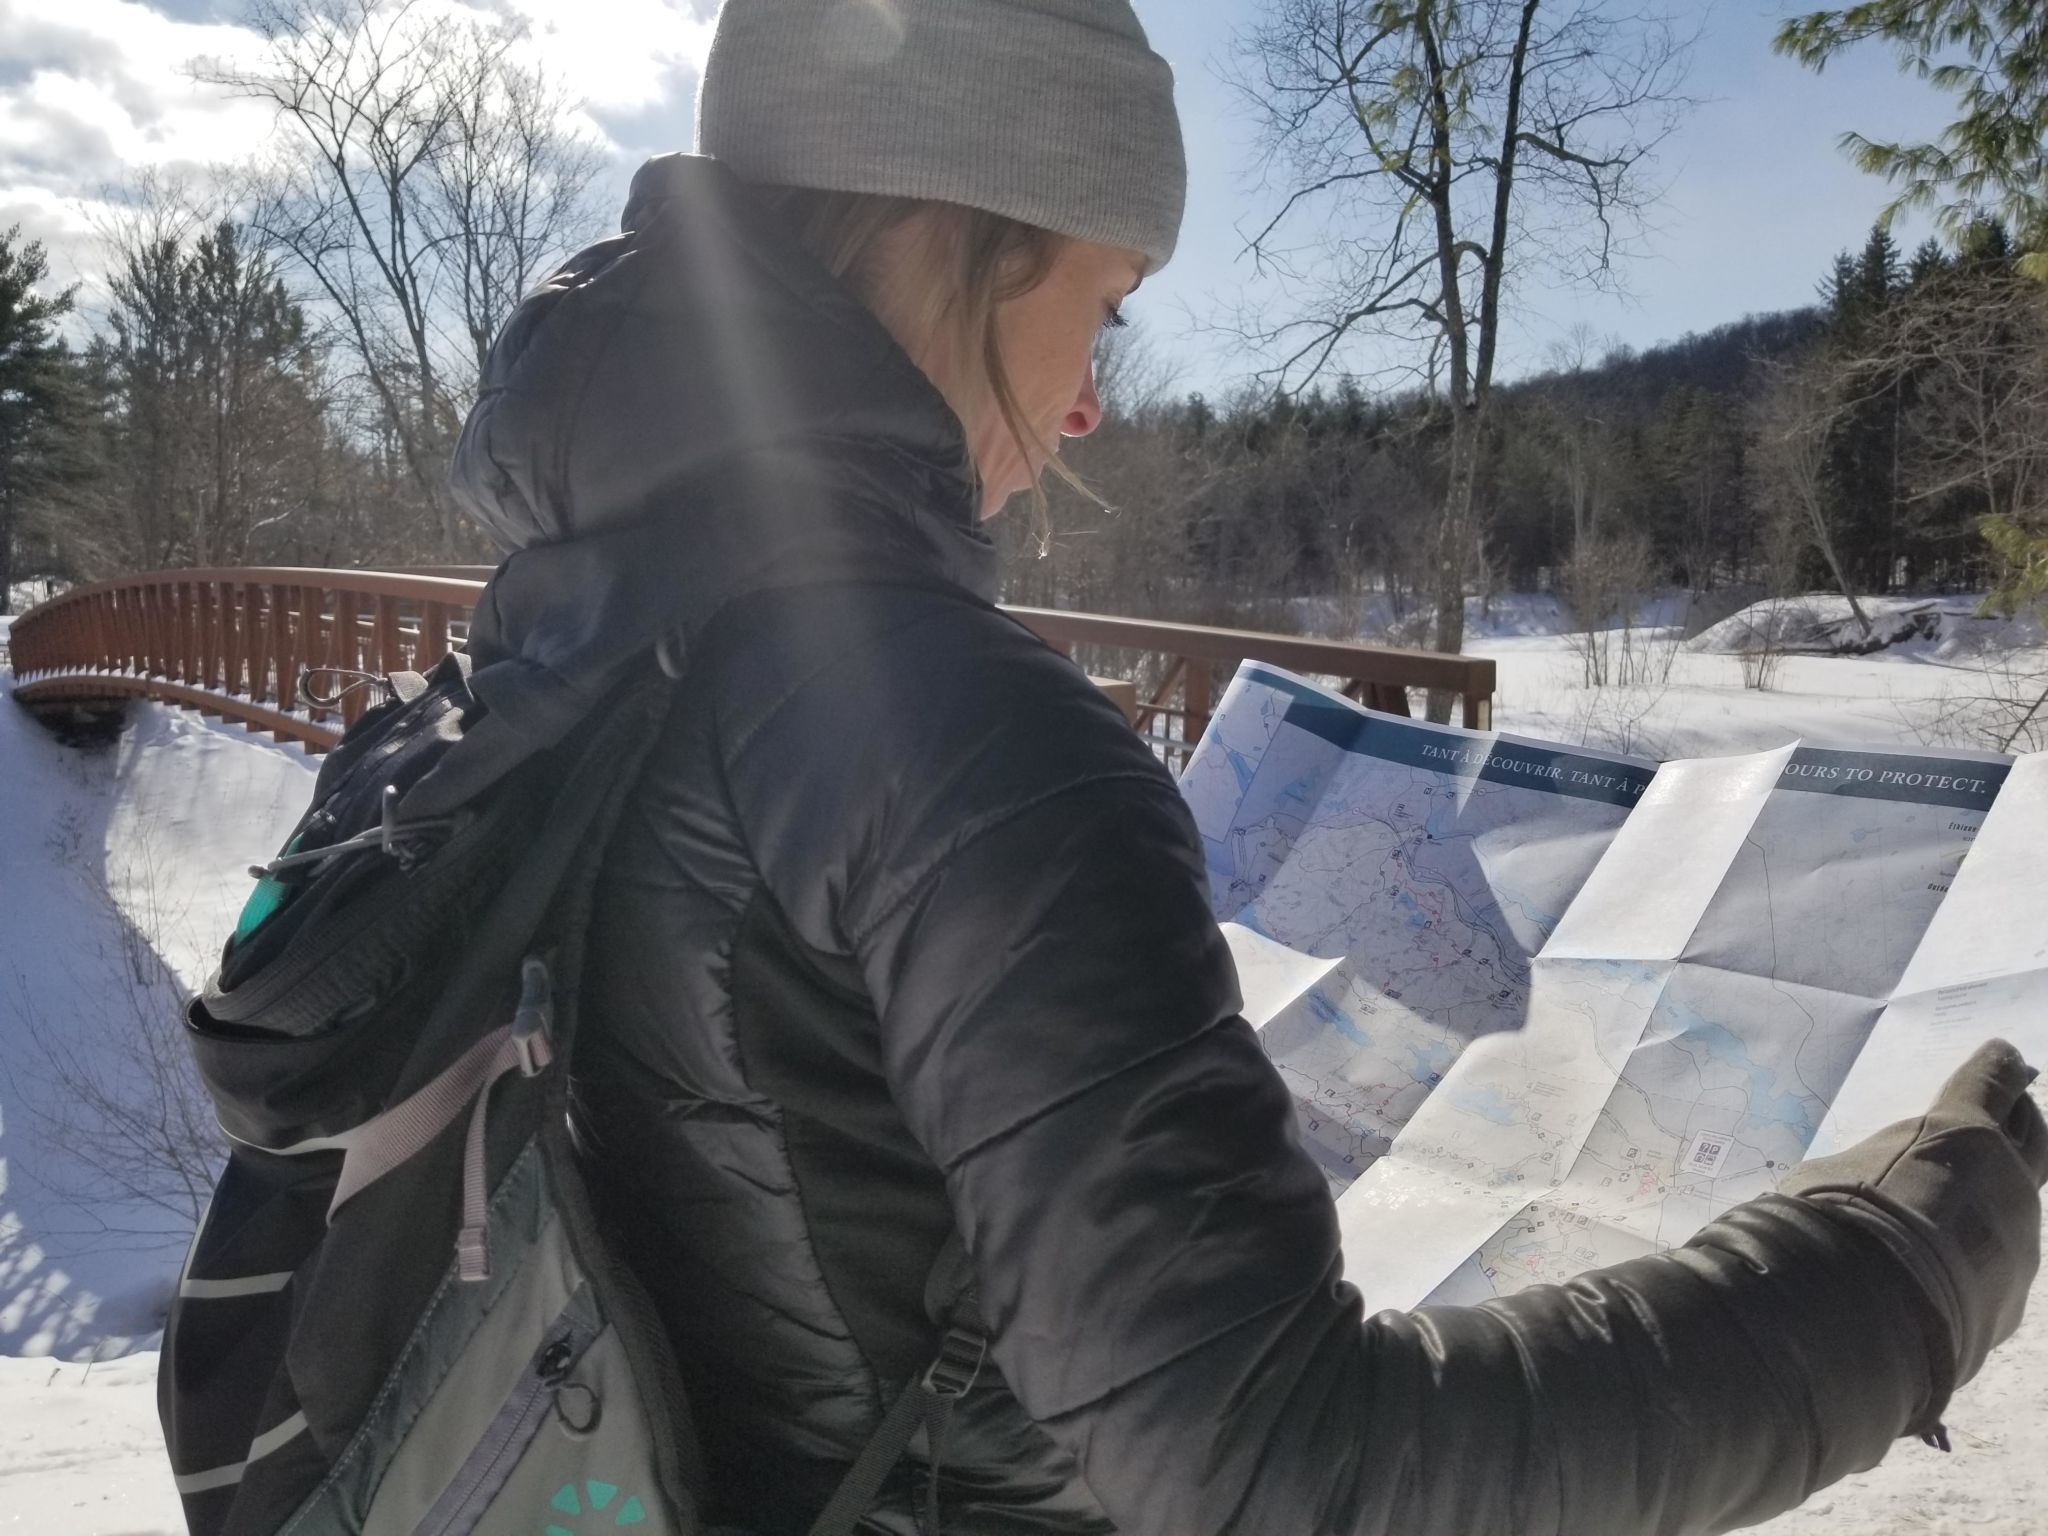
<point x="1158" y="1259"/>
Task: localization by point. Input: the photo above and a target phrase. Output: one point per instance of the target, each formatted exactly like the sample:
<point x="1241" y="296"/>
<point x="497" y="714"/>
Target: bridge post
<point x="133" y="647"/>
<point x="308" y="648"/>
<point x="1196" y="689"/>
<point x="228" y="613"/>
<point x="206" y="653"/>
<point x="343" y="649"/>
<point x="115" y="634"/>
<point x="390" y="650"/>
<point x="273" y="646"/>
<point x="180" y="594"/>
<point x="433" y="634"/>
<point x="256" y="595"/>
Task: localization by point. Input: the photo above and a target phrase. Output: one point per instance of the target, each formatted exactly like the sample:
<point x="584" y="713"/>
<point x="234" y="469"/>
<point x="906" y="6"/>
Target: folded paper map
<point x="1545" y="1009"/>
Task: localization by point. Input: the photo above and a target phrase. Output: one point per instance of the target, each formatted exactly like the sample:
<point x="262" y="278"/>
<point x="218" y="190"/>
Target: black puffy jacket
<point x="904" y="932"/>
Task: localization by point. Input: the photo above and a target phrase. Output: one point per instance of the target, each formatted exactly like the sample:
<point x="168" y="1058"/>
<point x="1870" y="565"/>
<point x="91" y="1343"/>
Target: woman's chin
<point x="993" y="500"/>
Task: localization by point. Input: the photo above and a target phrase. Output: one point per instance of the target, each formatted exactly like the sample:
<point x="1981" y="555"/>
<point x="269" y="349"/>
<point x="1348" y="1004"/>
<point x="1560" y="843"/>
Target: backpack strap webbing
<point x="927" y="1399"/>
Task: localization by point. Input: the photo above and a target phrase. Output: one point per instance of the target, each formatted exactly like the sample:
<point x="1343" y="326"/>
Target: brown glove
<point x="1955" y="1195"/>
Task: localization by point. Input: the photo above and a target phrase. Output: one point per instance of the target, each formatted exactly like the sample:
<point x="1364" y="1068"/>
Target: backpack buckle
<point x="959" y="1362"/>
<point x="532" y="1022"/>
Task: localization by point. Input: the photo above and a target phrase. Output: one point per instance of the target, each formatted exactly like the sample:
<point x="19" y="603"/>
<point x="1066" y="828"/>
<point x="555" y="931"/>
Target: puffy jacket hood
<point x="685" y="413"/>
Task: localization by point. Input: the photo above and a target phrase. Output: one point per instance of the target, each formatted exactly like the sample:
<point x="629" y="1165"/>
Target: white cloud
<point x="99" y="88"/>
<point x="619" y="55"/>
<point x="93" y="90"/>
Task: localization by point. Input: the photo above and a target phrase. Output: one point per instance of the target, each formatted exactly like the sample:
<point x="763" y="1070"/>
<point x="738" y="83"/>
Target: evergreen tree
<point x="1929" y="261"/>
<point x="1992" y="56"/>
<point x="1864" y="488"/>
<point x="1841" y="291"/>
<point x="214" y="432"/>
<point x="33" y="399"/>
<point x="1878" y="272"/>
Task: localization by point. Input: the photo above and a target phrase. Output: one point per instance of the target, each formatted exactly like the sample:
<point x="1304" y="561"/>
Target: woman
<point x="905" y="938"/>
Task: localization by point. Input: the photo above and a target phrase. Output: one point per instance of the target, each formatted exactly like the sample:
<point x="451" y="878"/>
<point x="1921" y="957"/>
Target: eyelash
<point x="1114" y="320"/>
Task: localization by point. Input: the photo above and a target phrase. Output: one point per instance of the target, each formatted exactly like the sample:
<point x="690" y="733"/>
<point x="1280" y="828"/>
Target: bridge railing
<point x="235" y="641"/>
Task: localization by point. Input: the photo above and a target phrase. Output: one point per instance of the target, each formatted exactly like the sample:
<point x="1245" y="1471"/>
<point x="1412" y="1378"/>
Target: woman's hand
<point x="1955" y="1195"/>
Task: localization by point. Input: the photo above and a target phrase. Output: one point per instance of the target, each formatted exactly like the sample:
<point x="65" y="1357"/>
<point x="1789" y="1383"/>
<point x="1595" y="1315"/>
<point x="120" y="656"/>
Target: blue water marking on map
<point x="1765" y="1102"/>
<point x="1415" y="916"/>
<point x="1487" y="1104"/>
<point x="1326" y="1008"/>
<point x="1433" y="1058"/>
<point x="1243" y="767"/>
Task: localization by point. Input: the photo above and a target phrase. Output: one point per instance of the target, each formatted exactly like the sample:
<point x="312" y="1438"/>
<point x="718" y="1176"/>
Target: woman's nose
<point x="1086" y="415"/>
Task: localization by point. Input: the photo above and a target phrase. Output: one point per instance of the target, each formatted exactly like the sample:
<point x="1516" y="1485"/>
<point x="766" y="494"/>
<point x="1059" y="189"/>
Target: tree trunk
<point x="1453" y="550"/>
<point x="1827" y="553"/>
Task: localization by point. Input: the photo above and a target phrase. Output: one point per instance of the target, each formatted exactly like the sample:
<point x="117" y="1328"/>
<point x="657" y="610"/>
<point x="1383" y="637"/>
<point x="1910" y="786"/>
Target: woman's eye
<point x="1114" y="320"/>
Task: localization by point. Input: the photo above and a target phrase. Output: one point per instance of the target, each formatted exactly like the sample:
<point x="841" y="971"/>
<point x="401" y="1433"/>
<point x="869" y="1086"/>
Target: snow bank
<point x="24" y="595"/>
<point x="1506" y="615"/>
<point x="1822" y="624"/>
<point x="112" y="856"/>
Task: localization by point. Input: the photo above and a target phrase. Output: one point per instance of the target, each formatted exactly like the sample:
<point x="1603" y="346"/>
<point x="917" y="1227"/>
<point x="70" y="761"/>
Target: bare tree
<point x="1793" y="417"/>
<point x="1582" y="435"/>
<point x="1976" y="344"/>
<point x="1604" y="585"/>
<point x="424" y="179"/>
<point x="1443" y="151"/>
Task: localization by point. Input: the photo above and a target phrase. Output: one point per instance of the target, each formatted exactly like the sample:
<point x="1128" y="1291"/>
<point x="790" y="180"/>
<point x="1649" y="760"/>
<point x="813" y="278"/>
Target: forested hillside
<point x="1864" y="442"/>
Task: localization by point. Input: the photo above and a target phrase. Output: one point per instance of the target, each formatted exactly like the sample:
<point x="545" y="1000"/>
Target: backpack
<point x="399" y="1313"/>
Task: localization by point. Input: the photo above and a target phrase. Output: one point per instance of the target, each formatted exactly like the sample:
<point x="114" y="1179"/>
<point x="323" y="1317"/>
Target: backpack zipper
<point x="512" y="1429"/>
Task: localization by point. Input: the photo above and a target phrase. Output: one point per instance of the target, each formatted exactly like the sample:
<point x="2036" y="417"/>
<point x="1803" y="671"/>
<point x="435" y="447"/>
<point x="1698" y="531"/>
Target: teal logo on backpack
<point x="597" y="1498"/>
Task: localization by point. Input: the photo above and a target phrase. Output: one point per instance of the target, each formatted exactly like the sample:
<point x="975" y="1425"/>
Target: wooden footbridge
<point x="239" y="642"/>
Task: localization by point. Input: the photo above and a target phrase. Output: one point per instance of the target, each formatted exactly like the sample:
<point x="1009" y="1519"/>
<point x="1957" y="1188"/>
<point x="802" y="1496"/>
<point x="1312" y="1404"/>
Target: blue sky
<point x="1759" y="197"/>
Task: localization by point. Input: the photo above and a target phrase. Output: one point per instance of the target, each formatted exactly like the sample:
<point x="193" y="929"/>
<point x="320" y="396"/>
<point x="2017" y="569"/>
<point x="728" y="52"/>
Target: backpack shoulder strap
<point x="927" y="1399"/>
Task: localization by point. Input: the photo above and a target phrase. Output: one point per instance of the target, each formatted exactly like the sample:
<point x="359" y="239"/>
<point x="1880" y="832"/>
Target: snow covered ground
<point x="1966" y="687"/>
<point x="113" y="857"/>
<point x="147" y="838"/>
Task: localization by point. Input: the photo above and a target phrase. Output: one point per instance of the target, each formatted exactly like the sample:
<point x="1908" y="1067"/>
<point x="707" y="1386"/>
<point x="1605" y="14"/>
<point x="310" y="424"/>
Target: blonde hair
<point x="977" y="261"/>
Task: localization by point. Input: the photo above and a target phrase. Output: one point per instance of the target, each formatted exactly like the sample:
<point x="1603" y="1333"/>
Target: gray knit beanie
<point x="1053" y="112"/>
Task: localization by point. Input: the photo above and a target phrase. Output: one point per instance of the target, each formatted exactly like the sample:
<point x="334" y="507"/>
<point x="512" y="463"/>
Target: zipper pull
<point x="575" y="1404"/>
<point x="554" y="1361"/>
<point x="533" y="1021"/>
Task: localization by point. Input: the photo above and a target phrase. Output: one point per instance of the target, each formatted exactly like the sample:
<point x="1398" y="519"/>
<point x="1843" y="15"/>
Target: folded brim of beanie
<point x="1056" y="113"/>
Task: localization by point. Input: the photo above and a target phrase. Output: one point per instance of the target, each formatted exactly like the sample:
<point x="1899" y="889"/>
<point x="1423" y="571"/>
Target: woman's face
<point x="1047" y="339"/>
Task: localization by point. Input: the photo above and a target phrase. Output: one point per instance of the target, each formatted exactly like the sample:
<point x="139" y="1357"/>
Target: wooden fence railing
<point x="234" y="642"/>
